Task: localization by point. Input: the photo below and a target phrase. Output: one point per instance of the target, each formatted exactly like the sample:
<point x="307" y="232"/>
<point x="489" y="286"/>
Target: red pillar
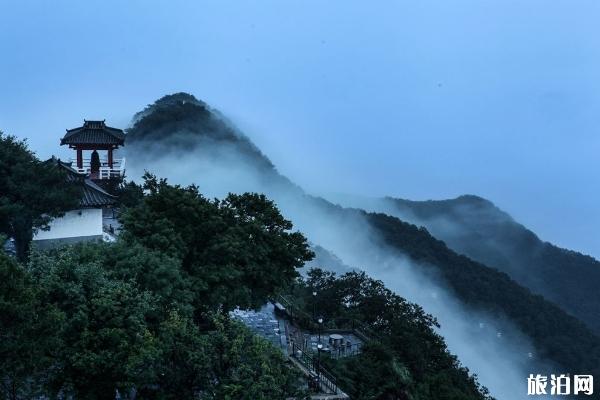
<point x="110" y="157"/>
<point x="79" y="158"/>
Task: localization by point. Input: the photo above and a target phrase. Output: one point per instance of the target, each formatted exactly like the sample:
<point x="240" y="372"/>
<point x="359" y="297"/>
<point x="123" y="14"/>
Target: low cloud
<point x="492" y="349"/>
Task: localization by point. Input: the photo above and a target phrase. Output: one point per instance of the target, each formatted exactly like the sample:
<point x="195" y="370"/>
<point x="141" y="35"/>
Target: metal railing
<point x="362" y="330"/>
<point x="324" y="378"/>
<point x="344" y="351"/>
<point x="303" y="352"/>
<point x="297" y="314"/>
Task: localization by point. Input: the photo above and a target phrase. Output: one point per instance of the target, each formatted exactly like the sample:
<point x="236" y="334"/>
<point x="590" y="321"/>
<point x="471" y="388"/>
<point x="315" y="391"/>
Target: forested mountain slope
<point x="556" y="335"/>
<point x="148" y="315"/>
<point x="475" y="227"/>
<point x="197" y="132"/>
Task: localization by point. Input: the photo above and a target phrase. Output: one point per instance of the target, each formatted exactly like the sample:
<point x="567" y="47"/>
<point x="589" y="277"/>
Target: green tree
<point x="154" y="272"/>
<point x="148" y="314"/>
<point x="151" y="270"/>
<point x="237" y="252"/>
<point x="376" y="373"/>
<point x="27" y="333"/>
<point x="114" y="336"/>
<point x="248" y="367"/>
<point x="182" y="369"/>
<point x="226" y="361"/>
<point x="405" y="357"/>
<point x="106" y="344"/>
<point x="31" y="193"/>
<point x="130" y="194"/>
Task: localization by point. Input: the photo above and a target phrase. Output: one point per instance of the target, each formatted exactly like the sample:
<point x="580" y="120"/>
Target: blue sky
<point x="416" y="99"/>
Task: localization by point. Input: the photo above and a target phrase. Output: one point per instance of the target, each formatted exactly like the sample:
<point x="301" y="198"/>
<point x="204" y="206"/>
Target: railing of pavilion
<point x="105" y="172"/>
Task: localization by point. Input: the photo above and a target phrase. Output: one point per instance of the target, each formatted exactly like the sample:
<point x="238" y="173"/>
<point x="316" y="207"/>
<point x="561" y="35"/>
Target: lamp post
<point x="314" y="293"/>
<point x="320" y="321"/>
<point x="319" y="348"/>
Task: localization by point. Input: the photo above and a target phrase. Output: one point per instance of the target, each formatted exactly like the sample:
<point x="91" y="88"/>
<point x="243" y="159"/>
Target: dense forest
<point x="24" y="204"/>
<point x="556" y="335"/>
<point x="150" y="312"/>
<point x="405" y="358"/>
<point x="148" y="315"/>
<point x="475" y="227"/>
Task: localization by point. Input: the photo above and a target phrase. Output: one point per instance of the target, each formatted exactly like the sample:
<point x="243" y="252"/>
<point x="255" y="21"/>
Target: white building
<point x="94" y="219"/>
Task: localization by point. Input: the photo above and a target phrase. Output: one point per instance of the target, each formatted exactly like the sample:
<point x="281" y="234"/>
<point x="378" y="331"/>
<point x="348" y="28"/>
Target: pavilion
<point x="94" y="218"/>
<point x="94" y="136"/>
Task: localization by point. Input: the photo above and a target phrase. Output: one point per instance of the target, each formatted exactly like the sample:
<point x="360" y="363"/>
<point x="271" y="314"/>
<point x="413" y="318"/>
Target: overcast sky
<point x="415" y="99"/>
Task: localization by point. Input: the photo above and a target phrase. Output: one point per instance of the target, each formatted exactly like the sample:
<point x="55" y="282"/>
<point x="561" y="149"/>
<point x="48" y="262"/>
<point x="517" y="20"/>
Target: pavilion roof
<point x="92" y="195"/>
<point x="95" y="196"/>
<point x="94" y="133"/>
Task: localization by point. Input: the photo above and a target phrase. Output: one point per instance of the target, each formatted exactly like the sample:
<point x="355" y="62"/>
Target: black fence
<point x="305" y="354"/>
<point x="323" y="377"/>
<point x="343" y="351"/>
<point x="304" y="320"/>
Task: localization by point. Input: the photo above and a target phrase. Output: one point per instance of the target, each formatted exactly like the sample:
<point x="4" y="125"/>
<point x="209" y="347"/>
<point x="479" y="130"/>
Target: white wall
<point x="76" y="223"/>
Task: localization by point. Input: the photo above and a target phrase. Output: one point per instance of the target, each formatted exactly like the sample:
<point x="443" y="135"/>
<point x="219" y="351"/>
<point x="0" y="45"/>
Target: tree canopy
<point x="149" y="314"/>
<point x="404" y="358"/>
<point x="32" y="192"/>
<point x="475" y="227"/>
<point x="237" y="252"/>
<point x="556" y="335"/>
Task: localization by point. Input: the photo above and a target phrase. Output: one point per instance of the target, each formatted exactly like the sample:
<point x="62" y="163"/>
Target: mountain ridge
<point x="473" y="282"/>
<point x="479" y="229"/>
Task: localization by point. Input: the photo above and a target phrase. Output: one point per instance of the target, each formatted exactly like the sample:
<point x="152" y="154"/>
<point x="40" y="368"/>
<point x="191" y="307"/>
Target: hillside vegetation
<point x="24" y="206"/>
<point x="475" y="227"/>
<point x="405" y="358"/>
<point x="149" y="314"/>
<point x="555" y="334"/>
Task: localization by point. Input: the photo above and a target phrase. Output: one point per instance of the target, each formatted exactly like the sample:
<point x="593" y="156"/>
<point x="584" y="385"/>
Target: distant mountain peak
<point x="171" y="101"/>
<point x="469" y="199"/>
<point x="472" y="198"/>
<point x="180" y="97"/>
<point x="182" y="124"/>
<point x="182" y="114"/>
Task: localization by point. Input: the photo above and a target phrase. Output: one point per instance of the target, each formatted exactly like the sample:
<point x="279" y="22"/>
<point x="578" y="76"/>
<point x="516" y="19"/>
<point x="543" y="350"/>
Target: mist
<point x="421" y="100"/>
<point x="492" y="349"/>
<point x="478" y="229"/>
